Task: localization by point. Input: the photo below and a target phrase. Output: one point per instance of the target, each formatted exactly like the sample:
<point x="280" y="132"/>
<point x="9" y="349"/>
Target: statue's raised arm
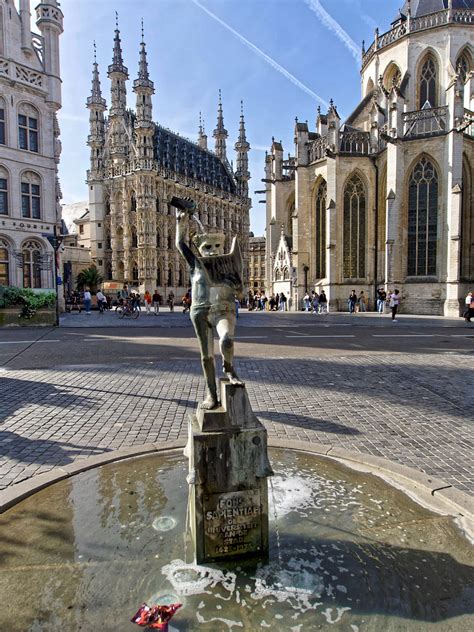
<point x="216" y="279"/>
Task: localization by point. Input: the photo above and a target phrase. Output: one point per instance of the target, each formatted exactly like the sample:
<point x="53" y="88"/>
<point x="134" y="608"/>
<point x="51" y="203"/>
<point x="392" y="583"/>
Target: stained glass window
<point x="354" y="229"/>
<point x="321" y="231"/>
<point x="428" y="82"/>
<point x="422" y="219"/>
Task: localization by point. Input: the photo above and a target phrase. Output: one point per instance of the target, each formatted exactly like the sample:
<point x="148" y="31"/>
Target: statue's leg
<point x="206" y="344"/>
<point x="225" y="328"/>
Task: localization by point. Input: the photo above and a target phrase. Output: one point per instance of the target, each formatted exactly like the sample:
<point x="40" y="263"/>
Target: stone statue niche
<point x="227" y="444"/>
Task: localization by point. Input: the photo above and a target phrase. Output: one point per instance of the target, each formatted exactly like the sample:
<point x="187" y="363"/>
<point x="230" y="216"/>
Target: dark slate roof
<point x="423" y="7"/>
<point x="182" y="156"/>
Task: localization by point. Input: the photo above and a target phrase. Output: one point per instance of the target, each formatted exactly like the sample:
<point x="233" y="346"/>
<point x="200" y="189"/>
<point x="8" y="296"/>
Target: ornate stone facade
<point x="386" y="198"/>
<point x="137" y="166"/>
<point x="30" y="96"/>
<point x="256" y="263"/>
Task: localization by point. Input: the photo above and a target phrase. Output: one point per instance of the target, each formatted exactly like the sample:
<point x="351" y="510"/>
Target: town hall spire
<point x="96" y="106"/>
<point x="118" y="75"/>
<point x="220" y="133"/>
<point x="144" y="89"/>
<point x="242" y="148"/>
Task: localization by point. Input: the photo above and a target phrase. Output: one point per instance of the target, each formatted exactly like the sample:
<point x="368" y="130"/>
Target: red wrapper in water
<point x="155" y="617"/>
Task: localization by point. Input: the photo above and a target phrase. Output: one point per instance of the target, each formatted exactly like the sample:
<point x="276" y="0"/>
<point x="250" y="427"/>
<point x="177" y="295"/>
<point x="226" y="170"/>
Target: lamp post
<point x="305" y="270"/>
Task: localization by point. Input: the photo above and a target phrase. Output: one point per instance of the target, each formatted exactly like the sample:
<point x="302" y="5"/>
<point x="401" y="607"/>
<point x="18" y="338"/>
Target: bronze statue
<point x="216" y="279"/>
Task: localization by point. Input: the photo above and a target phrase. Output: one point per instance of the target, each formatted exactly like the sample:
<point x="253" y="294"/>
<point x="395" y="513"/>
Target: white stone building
<point x="30" y="96"/>
<point x="137" y="166"/>
<point x="385" y="198"/>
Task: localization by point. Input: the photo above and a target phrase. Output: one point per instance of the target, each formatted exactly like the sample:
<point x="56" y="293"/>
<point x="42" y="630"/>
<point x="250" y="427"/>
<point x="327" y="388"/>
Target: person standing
<point x="101" y="301"/>
<point x="352" y="302"/>
<point x="87" y="300"/>
<point x="362" y="302"/>
<point x="148" y="300"/>
<point x="282" y="303"/>
<point x="394" y="302"/>
<point x="381" y="299"/>
<point x="171" y="301"/>
<point x="469" y="307"/>
<point x="323" y="303"/>
<point x="156" y="298"/>
<point x="315" y="302"/>
<point x="306" y="302"/>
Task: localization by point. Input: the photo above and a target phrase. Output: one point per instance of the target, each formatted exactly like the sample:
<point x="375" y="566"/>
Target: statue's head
<point x="210" y="244"/>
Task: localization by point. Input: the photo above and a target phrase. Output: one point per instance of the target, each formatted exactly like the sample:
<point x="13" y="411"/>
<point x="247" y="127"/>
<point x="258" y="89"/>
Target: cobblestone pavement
<point x="412" y="408"/>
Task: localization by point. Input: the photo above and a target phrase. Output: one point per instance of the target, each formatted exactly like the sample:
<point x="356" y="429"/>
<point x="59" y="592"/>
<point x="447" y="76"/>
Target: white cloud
<point x="332" y="25"/>
<point x="262" y="55"/>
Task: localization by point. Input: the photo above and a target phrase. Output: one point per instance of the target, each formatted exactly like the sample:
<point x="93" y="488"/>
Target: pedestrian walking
<point x="282" y="302"/>
<point x="381" y="300"/>
<point x="170" y="301"/>
<point x="87" y="300"/>
<point x="306" y="302"/>
<point x="315" y="302"/>
<point x="323" y="303"/>
<point x="394" y="303"/>
<point x="352" y="302"/>
<point x="362" y="302"/>
<point x="148" y="301"/>
<point x="156" y="299"/>
<point x="272" y="303"/>
<point x="469" y="307"/>
<point x="186" y="302"/>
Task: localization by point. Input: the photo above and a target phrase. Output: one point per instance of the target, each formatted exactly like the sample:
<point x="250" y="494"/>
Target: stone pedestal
<point x="228" y="469"/>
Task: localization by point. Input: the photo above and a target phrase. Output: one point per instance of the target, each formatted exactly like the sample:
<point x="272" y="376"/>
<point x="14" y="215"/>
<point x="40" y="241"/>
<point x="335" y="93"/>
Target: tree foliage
<point x="89" y="277"/>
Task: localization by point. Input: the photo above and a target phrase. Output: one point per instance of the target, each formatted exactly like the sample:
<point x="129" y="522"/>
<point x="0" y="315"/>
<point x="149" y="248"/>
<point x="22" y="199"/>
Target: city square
<point x="236" y="380"/>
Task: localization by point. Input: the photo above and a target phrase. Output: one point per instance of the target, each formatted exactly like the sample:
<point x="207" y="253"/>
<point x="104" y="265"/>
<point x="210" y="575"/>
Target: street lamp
<point x="305" y="270"/>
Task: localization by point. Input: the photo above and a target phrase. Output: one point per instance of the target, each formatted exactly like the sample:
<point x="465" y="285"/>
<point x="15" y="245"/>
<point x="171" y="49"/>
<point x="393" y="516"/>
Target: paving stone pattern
<point x="399" y="407"/>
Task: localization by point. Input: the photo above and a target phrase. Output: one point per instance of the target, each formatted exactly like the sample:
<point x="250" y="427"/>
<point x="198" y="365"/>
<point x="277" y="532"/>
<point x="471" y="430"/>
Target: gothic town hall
<point x="385" y="198"/>
<point x="137" y="166"/>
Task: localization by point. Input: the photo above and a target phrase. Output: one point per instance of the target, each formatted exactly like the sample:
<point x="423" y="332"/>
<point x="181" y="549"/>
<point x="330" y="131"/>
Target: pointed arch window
<point x="4" y="263"/>
<point x="3" y="191"/>
<point x="467" y="234"/>
<point x="354" y="229"/>
<point x="133" y="203"/>
<point x="422" y="219"/>
<point x="3" y="135"/>
<point x="135" y="277"/>
<point x="428" y="83"/>
<point x="170" y="276"/>
<point x="134" y="238"/>
<point x="158" y="276"/>
<point x="31" y="255"/>
<point x="321" y="230"/>
<point x="463" y="66"/>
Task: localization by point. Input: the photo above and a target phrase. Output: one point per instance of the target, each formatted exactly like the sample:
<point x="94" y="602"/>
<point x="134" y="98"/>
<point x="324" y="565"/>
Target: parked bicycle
<point x="127" y="310"/>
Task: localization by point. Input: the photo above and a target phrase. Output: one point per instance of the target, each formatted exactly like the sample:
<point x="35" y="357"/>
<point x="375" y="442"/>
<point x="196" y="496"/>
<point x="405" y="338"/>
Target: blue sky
<point x="282" y="57"/>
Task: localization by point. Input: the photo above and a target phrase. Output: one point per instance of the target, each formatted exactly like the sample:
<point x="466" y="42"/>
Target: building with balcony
<point x="385" y="198"/>
<point x="30" y="96"/>
<point x="137" y="166"/>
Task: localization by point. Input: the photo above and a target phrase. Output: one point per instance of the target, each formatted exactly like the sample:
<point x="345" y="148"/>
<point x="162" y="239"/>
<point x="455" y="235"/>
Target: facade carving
<point x="137" y="166"/>
<point x="30" y="96"/>
<point x="386" y="197"/>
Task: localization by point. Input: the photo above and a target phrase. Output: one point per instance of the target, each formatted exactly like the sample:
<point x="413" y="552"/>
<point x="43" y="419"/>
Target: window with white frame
<point x="30" y="195"/>
<point x="28" y="127"/>
<point x="3" y="191"/>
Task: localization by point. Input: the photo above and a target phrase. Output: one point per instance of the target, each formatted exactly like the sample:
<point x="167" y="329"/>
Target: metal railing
<point x="427" y="122"/>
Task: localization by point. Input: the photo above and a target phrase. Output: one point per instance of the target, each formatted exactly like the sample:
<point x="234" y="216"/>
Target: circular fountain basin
<point x="347" y="552"/>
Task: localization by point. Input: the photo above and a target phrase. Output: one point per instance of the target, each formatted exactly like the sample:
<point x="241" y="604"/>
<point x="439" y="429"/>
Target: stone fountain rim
<point x="433" y="493"/>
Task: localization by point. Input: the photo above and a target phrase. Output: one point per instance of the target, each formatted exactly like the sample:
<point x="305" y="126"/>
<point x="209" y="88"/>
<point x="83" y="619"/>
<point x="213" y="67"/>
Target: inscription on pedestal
<point x="232" y="523"/>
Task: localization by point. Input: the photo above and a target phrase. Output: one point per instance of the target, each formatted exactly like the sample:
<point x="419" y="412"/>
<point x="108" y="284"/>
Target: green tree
<point x="89" y="277"/>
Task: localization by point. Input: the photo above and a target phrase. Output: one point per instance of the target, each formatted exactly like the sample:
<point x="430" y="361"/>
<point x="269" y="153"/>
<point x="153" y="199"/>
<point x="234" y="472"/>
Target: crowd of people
<point x="313" y="302"/>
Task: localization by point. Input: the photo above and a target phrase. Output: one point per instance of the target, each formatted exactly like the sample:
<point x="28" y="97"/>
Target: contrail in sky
<point x="331" y="24"/>
<point x="263" y="55"/>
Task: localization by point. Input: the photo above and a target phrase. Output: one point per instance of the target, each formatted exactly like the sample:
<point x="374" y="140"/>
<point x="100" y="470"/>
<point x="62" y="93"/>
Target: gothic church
<point x="386" y="197"/>
<point x="137" y="166"/>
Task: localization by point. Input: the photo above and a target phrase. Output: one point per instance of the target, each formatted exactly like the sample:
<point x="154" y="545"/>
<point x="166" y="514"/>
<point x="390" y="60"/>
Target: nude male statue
<point x="215" y="280"/>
